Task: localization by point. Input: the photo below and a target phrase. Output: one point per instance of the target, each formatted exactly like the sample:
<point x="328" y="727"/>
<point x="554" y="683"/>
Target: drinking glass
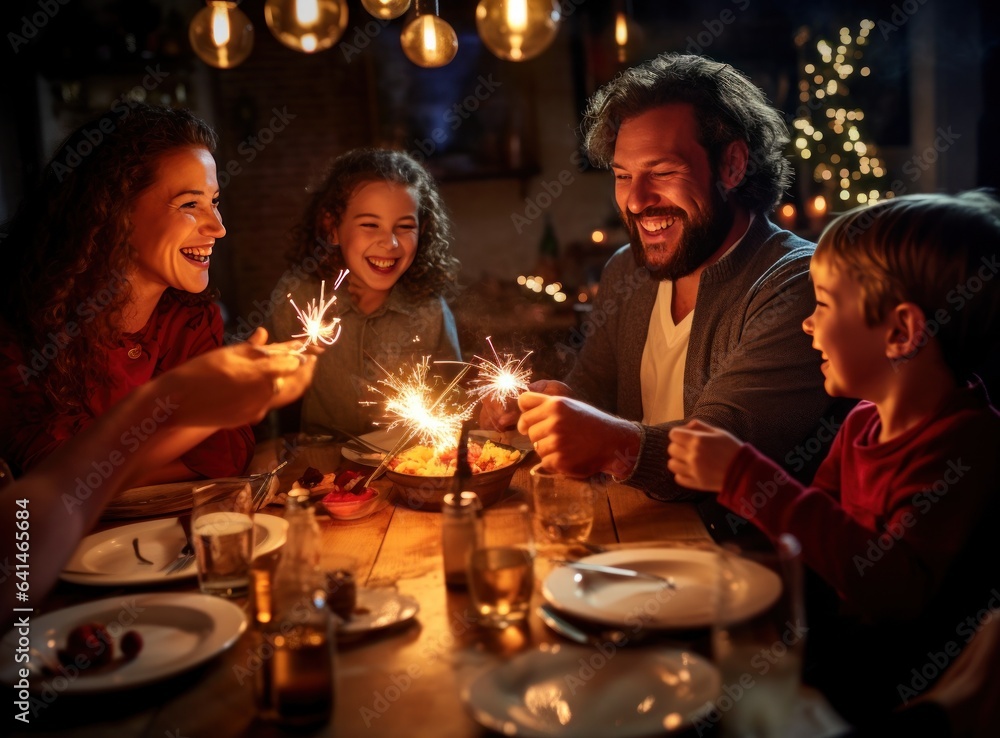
<point x="564" y="507"/>
<point x="501" y="567"/>
<point x="222" y="529"/>
<point x="758" y="639"/>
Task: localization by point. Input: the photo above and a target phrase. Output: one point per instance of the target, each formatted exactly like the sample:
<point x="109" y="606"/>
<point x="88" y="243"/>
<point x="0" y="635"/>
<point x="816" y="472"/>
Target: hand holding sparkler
<point x="316" y="328"/>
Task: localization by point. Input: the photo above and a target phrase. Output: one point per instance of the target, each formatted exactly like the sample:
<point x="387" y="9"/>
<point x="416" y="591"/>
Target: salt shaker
<point x="461" y="516"/>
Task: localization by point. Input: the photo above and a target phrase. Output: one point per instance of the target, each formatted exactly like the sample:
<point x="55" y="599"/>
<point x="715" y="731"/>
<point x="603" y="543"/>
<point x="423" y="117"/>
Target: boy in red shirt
<point x="906" y="311"/>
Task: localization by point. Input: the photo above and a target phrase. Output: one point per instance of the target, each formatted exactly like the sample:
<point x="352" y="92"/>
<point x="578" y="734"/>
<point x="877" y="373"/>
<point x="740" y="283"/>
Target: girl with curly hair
<point x="106" y="285"/>
<point x="379" y="214"/>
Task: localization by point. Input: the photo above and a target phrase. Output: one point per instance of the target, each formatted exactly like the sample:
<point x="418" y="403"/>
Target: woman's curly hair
<point x="68" y="246"/>
<point x="434" y="270"/>
<point x="728" y="107"/>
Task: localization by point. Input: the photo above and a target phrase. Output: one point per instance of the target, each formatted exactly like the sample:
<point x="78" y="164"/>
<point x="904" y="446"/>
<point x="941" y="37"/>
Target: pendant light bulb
<point x="428" y="41"/>
<point x="518" y="30"/>
<point x="386" y="9"/>
<point x="306" y="25"/>
<point x="221" y="34"/>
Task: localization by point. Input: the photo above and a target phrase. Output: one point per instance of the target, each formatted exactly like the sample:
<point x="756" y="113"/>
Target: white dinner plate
<point x="575" y="692"/>
<point x="178" y="630"/>
<point x="638" y="603"/>
<point x="384" y="437"/>
<point x="107" y="559"/>
<point x="377" y="609"/>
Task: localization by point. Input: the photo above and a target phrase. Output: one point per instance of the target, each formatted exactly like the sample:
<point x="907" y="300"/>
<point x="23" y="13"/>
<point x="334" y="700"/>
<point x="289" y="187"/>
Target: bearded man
<point x="700" y="316"/>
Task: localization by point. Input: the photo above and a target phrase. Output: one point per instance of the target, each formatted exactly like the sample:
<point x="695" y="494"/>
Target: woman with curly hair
<point x="106" y="286"/>
<point x="379" y="214"/>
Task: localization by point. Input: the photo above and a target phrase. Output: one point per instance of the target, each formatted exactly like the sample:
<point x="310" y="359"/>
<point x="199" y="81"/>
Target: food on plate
<point x="426" y="461"/>
<point x="90" y="647"/>
<point x="343" y="487"/>
<point x="310" y="478"/>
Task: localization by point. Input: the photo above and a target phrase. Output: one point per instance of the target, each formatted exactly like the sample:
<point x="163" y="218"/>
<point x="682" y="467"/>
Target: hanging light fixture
<point x="306" y="25"/>
<point x="221" y="34"/>
<point x="518" y="30"/>
<point x="427" y="40"/>
<point x="386" y="9"/>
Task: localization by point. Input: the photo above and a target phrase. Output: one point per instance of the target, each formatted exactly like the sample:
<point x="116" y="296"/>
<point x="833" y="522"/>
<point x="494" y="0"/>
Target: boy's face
<point x="854" y="358"/>
<point x="378" y="233"/>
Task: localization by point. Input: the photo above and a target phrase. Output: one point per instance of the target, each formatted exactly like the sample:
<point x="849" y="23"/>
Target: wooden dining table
<point x="406" y="680"/>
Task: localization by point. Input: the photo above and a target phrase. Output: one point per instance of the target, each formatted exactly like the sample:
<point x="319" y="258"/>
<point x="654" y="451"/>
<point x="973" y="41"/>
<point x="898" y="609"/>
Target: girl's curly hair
<point x="728" y="107"/>
<point x="68" y="246"/>
<point x="434" y="270"/>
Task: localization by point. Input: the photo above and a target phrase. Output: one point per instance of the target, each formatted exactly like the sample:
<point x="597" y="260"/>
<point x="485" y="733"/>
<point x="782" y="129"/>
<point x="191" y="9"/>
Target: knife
<point x="617" y="571"/>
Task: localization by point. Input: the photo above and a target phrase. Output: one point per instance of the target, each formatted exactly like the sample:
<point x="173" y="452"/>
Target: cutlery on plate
<point x="185" y="555"/>
<point x="135" y="547"/>
<point x="565" y="628"/>
<point x="614" y="571"/>
<point x="359" y="442"/>
<point x="265" y="478"/>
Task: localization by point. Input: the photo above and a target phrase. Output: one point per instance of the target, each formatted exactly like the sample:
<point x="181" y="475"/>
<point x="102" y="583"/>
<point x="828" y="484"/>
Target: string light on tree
<point x="829" y="138"/>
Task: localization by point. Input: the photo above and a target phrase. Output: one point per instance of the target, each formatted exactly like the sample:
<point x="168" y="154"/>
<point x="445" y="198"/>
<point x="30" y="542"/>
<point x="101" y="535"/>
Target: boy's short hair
<point x="941" y="252"/>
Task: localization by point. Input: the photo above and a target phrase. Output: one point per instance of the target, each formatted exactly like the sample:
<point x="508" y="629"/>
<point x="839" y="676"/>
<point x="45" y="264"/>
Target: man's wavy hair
<point x="434" y="270"/>
<point x="728" y="107"/>
<point x="68" y="252"/>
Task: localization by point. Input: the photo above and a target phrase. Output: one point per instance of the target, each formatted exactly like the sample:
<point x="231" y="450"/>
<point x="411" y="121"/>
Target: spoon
<point x="565" y="628"/>
<point x="135" y="547"/>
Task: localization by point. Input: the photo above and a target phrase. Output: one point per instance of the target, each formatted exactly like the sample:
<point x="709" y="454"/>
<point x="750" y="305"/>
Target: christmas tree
<point x="828" y="133"/>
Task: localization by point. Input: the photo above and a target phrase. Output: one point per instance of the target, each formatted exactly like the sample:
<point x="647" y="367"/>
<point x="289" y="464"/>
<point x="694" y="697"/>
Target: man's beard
<point x="701" y="238"/>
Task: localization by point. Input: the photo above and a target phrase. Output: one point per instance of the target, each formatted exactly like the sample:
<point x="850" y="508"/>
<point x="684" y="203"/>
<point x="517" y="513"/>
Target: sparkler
<point x="316" y="328"/>
<point x="502" y="380"/>
<point x="410" y="401"/>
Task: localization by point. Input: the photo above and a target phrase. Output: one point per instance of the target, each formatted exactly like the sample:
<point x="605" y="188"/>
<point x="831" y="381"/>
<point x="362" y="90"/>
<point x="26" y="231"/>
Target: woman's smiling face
<point x="176" y="222"/>
<point x="378" y="233"/>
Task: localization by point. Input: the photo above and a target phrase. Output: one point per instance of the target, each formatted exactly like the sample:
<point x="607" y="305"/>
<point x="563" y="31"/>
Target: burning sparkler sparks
<point x="502" y="380"/>
<point x="316" y="328"/>
<point x="412" y="402"/>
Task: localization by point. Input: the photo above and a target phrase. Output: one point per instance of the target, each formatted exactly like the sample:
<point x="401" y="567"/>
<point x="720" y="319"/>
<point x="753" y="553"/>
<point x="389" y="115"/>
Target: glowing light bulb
<point x="518" y="30"/>
<point x="428" y="41"/>
<point x="306" y="25"/>
<point x="386" y="9"/>
<point x="221" y="34"/>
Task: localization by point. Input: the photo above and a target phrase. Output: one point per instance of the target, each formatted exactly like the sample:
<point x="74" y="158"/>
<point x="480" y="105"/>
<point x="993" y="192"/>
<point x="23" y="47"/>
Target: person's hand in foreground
<point x="577" y="439"/>
<point x="700" y="455"/>
<point x="500" y="417"/>
<point x="223" y="388"/>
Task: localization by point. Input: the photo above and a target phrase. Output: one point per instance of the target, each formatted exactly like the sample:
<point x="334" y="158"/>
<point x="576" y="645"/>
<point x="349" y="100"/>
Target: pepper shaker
<point x="461" y="516"/>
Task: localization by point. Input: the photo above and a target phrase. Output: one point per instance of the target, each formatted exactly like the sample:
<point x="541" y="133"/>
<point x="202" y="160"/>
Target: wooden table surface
<point x="402" y="682"/>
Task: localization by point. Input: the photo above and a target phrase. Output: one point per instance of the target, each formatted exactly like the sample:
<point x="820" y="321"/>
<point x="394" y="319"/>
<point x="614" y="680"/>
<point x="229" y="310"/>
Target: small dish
<point x="541" y="694"/>
<point x="377" y="609"/>
<point x="355" y="509"/>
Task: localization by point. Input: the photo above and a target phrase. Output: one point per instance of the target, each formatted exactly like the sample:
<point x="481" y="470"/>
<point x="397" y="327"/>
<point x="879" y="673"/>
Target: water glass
<point x="758" y="639"/>
<point x="564" y="507"/>
<point x="501" y="567"/>
<point x="222" y="529"/>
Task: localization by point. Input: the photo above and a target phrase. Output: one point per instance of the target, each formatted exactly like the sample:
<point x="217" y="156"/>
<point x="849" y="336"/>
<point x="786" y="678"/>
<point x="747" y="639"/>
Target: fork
<point x="185" y="555"/>
<point x="265" y="479"/>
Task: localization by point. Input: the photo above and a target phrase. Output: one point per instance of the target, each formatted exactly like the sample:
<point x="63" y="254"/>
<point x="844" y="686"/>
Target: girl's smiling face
<point x="378" y="234"/>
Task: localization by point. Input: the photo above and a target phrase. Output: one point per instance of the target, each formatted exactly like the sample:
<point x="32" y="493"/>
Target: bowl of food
<point x="424" y="475"/>
<point x="343" y="495"/>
